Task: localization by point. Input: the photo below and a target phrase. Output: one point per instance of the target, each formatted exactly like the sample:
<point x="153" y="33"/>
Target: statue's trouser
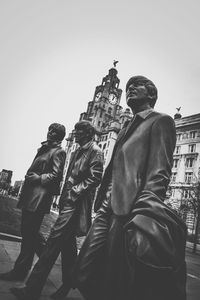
<point x="32" y="240"/>
<point x="61" y="240"/>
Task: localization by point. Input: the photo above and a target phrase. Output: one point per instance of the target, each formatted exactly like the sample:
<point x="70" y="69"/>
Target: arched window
<point x="109" y="110"/>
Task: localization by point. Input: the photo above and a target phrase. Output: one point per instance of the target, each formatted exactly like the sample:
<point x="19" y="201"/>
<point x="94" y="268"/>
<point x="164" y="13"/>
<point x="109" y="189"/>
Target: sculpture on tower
<point x="115" y="62"/>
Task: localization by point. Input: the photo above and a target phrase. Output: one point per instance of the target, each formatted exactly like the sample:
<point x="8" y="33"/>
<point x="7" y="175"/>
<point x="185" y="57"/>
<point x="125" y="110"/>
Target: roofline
<point x="188" y="120"/>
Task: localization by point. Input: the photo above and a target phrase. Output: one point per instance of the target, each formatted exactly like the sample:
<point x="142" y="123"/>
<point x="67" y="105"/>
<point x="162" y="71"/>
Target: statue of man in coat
<point x="83" y="176"/>
<point x="135" y="248"/>
<point x="42" y="182"/>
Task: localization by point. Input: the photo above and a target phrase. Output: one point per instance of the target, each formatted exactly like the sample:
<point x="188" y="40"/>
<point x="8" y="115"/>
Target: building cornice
<point x="187" y="121"/>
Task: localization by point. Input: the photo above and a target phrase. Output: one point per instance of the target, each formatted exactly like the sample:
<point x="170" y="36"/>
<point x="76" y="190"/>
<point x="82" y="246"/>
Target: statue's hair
<point x="150" y="86"/>
<point x="86" y="126"/>
<point x="59" y="129"/>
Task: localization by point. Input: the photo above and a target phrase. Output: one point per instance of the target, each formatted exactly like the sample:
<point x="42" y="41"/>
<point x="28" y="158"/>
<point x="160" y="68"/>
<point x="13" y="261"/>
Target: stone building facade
<point x="186" y="166"/>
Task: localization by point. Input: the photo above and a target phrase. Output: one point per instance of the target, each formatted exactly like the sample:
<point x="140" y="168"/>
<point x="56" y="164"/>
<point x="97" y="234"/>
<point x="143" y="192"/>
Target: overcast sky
<point x="54" y="52"/>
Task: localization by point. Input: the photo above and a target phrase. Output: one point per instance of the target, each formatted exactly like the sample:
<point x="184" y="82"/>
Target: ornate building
<point x="186" y="166"/>
<point x="105" y="112"/>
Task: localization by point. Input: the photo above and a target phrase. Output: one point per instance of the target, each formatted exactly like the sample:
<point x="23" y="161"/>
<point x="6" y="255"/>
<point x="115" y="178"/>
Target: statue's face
<point x="81" y="136"/>
<point x="52" y="135"/>
<point x="136" y="94"/>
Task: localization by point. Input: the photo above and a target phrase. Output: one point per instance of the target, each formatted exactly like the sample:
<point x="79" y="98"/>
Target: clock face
<point x="98" y="96"/>
<point x="113" y="98"/>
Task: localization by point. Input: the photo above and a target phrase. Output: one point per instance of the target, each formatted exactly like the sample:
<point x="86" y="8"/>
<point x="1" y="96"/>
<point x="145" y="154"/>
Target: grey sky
<point x="54" y="53"/>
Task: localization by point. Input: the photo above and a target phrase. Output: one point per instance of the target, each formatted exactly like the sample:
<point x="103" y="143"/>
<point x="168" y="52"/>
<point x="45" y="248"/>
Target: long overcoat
<point x="48" y="164"/>
<point x="83" y="176"/>
<point x="153" y="252"/>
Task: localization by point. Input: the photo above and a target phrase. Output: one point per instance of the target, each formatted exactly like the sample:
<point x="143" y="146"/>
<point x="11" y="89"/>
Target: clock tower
<point x="105" y="106"/>
<point x="109" y="88"/>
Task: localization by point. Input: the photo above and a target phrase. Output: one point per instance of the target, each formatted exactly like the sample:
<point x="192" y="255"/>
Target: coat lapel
<point x="124" y="135"/>
<point x="72" y="160"/>
<point x="137" y="120"/>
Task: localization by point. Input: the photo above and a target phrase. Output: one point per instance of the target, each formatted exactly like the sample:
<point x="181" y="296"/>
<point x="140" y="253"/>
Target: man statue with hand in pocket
<point x="42" y="182"/>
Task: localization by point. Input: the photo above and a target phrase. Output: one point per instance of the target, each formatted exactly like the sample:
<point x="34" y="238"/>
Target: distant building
<point x="5" y="179"/>
<point x="18" y="186"/>
<point x="186" y="163"/>
<point x="6" y="176"/>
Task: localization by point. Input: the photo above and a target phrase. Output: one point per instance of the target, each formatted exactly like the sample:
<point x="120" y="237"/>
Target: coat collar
<point x="134" y="123"/>
<point x="51" y="144"/>
<point x="144" y="114"/>
<point x="137" y="118"/>
<point x="86" y="146"/>
<point x="46" y="146"/>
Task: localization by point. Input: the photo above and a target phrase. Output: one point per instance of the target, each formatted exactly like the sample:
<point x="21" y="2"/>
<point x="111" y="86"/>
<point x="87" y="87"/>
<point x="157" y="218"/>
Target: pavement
<point x="9" y="250"/>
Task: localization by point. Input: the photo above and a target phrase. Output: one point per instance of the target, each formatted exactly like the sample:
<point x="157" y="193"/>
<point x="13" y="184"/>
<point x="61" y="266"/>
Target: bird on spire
<point x="115" y="62"/>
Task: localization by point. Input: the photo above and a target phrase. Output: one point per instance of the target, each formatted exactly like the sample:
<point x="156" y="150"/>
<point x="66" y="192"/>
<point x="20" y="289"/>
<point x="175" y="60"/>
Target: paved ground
<point x="193" y="273"/>
<point x="9" y="251"/>
<point x="8" y="254"/>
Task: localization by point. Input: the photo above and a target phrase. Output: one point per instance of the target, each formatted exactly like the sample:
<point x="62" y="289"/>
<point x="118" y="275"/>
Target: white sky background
<point x="53" y="53"/>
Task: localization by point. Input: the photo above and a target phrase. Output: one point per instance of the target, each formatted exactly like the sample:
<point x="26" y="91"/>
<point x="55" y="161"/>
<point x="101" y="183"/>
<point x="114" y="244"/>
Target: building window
<point x="186" y="194"/>
<point x="178" y="136"/>
<point x="189" y="162"/>
<point x="175" y="163"/>
<point x="188" y="177"/>
<point x="108" y="143"/>
<point x="193" y="134"/>
<point x="173" y="177"/>
<point x="177" y="150"/>
<point x="192" y="148"/>
<point x="109" y="110"/>
<point x="101" y="113"/>
<point x="185" y="136"/>
<point x="173" y="192"/>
